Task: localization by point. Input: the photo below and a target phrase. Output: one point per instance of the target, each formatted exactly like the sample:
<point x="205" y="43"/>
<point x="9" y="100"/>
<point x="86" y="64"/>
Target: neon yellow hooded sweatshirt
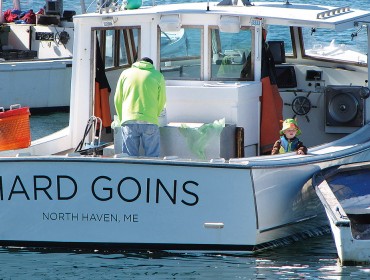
<point x="140" y="94"/>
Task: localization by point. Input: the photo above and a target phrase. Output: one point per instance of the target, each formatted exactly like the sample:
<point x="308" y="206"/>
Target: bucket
<point x="15" y="132"/>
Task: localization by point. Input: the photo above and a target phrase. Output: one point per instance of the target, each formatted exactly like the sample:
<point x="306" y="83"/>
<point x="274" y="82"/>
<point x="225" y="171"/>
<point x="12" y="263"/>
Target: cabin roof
<point x="308" y="15"/>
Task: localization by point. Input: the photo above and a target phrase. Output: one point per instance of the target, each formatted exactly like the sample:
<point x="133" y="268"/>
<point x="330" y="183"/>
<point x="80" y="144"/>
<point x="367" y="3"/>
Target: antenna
<point x="83" y="6"/>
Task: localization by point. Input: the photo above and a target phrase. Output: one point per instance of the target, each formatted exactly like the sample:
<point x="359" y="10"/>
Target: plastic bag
<point x="197" y="139"/>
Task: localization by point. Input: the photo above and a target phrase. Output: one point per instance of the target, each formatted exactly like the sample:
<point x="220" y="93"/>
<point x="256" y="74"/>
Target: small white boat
<point x="345" y="193"/>
<point x="220" y="193"/>
<point x="36" y="59"/>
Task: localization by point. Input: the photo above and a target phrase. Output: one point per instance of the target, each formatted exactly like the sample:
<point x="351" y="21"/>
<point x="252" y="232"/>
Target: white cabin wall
<point x="330" y="76"/>
<point x="203" y="102"/>
<point x="81" y="89"/>
<point x="147" y="49"/>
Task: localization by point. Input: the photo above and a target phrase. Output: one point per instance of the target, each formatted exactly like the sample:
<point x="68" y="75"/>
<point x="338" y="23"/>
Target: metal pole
<point x="83" y="7"/>
<point x="367" y="113"/>
<point x="1" y="12"/>
<point x="16" y="5"/>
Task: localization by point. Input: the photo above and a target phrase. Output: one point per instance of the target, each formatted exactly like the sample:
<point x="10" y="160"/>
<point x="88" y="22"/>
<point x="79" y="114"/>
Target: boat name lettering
<point x="128" y="189"/>
<point x="90" y="217"/>
<point x="66" y="188"/>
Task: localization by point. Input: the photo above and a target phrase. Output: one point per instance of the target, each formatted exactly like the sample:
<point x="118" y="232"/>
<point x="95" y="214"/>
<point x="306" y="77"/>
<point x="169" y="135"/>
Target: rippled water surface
<point x="310" y="259"/>
<point x="45" y="124"/>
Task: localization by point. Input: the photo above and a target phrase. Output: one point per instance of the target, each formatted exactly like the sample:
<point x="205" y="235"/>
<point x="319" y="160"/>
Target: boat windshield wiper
<point x="354" y="34"/>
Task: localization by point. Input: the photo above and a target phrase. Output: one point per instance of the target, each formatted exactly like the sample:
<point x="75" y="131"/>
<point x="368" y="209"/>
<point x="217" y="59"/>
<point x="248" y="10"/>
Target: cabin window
<point x="181" y="53"/>
<point x="282" y="33"/>
<point x="231" y="55"/>
<point x="119" y="47"/>
<point x="324" y="44"/>
<point x="128" y="46"/>
<point x="110" y="38"/>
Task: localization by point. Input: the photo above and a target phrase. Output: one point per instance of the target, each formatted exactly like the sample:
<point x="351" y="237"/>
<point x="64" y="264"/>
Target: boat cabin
<point x="211" y="57"/>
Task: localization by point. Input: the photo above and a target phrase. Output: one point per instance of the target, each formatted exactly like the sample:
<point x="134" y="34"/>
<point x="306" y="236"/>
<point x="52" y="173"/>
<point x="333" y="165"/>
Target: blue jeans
<point x="147" y="133"/>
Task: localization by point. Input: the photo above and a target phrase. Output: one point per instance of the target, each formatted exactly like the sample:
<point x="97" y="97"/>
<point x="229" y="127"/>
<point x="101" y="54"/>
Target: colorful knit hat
<point x="290" y="123"/>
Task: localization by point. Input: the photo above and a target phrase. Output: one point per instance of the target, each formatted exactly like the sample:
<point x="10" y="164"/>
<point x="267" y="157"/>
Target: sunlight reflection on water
<point x="314" y="258"/>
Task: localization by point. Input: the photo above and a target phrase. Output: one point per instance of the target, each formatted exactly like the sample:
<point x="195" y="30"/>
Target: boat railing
<point x="99" y="5"/>
<point x="357" y="138"/>
<point x="353" y="144"/>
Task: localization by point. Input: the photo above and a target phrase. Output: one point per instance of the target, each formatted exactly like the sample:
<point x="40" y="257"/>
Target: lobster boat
<point x="244" y="66"/>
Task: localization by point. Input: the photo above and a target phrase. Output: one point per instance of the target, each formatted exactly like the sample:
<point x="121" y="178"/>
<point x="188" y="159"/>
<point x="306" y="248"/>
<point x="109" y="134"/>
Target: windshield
<point x="347" y="46"/>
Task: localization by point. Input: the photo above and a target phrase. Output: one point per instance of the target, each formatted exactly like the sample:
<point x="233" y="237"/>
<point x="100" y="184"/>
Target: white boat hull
<point x="163" y="204"/>
<point x="37" y="84"/>
<point x="36" y="65"/>
<point x="349" y="249"/>
<point x="114" y="202"/>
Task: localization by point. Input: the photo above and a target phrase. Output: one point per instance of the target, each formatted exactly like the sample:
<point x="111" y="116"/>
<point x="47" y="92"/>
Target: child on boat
<point x="288" y="141"/>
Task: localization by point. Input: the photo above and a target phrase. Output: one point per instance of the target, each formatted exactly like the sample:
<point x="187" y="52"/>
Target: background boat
<point x="345" y="193"/>
<point x="36" y="56"/>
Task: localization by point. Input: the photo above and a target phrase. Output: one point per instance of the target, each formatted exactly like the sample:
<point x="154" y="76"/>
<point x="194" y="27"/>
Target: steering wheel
<point x="301" y="105"/>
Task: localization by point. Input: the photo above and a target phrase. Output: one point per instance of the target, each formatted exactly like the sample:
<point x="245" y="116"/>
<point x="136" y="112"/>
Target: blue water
<point x="314" y="258"/>
<point x="311" y="259"/>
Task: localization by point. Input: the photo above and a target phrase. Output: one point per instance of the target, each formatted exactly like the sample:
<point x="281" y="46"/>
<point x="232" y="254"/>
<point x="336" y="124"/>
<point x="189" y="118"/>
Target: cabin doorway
<point x="115" y="49"/>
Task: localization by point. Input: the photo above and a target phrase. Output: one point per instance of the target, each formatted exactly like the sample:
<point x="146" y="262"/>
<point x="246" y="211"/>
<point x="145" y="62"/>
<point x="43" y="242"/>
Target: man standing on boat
<point x="139" y="99"/>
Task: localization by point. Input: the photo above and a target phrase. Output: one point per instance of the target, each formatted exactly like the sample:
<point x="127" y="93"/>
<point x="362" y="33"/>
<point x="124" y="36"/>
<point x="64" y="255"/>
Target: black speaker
<point x="344" y="106"/>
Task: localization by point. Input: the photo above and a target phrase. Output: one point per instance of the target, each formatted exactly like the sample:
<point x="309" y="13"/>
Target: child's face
<point x="290" y="133"/>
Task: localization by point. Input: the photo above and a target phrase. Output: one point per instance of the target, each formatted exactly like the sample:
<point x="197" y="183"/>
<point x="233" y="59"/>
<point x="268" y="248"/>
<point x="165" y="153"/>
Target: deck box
<point x="198" y="141"/>
<point x="191" y="141"/>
